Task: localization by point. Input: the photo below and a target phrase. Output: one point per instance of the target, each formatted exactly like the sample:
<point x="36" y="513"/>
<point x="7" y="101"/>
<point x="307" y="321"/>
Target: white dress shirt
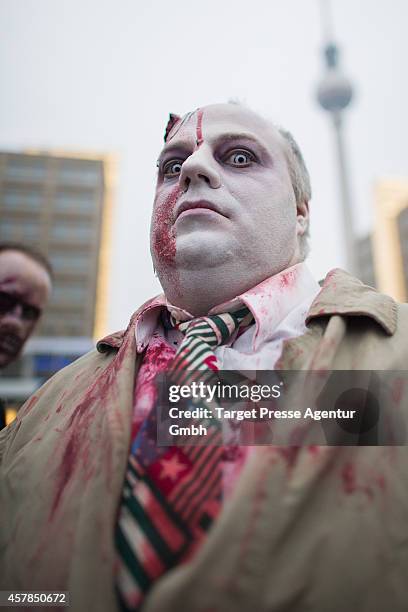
<point x="279" y="306"/>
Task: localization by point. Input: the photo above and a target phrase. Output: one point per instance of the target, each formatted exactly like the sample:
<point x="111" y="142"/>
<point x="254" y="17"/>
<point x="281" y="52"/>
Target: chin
<point x="201" y="258"/>
<point x="202" y="252"/>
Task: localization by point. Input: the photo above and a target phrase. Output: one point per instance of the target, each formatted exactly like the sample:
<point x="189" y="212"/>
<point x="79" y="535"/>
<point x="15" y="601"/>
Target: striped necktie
<point x="171" y="495"/>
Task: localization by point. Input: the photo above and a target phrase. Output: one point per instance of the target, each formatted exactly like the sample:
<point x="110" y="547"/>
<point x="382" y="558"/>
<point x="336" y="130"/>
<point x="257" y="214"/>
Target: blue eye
<point x="239" y="158"/>
<point x="172" y="167"/>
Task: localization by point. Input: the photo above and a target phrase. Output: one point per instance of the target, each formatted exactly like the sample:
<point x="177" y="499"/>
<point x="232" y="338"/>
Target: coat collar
<point x="115" y="340"/>
<point x="345" y="295"/>
<point x="270" y="302"/>
<point x="341" y="294"/>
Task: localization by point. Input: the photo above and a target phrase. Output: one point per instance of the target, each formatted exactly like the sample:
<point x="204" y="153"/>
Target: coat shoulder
<point x="66" y="387"/>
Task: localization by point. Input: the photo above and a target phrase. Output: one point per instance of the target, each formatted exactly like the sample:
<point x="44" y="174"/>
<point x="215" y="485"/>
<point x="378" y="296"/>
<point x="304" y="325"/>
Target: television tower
<point x="334" y="94"/>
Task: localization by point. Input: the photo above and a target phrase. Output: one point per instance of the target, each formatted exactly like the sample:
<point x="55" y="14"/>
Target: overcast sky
<point x="104" y="74"/>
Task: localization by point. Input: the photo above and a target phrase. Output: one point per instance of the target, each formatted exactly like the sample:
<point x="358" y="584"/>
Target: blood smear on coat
<point x="29" y="405"/>
<point x="349" y="480"/>
<point x="397" y="390"/>
<point x="348" y="476"/>
<point x="289" y="454"/>
<point x="79" y="440"/>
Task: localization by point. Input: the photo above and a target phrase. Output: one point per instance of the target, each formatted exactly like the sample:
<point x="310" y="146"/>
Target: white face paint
<point x="225" y="215"/>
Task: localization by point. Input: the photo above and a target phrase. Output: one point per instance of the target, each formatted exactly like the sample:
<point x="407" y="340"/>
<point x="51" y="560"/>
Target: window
<point x="70" y="262"/>
<point x="21" y="199"/>
<point x="69" y="293"/>
<point x="26" y="168"/>
<point x="62" y="324"/>
<point x="72" y="232"/>
<point x="77" y="172"/>
<point x="19" y="231"/>
<point x="67" y="201"/>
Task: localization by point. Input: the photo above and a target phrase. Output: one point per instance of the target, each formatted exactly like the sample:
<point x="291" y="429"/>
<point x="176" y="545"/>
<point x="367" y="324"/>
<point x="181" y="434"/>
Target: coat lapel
<point x="342" y="296"/>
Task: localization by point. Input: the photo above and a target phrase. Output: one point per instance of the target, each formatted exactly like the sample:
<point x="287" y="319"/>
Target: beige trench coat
<point x="294" y="535"/>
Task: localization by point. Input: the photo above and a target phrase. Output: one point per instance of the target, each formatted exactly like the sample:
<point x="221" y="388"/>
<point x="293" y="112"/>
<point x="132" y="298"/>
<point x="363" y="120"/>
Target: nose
<point x="17" y="311"/>
<point x="14" y="317"/>
<point x="200" y="167"/>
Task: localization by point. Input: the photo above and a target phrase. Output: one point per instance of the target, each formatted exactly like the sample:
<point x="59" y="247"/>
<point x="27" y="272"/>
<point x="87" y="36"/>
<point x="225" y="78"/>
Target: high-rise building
<point x="61" y="204"/>
<point x="390" y="238"/>
<point x="382" y="256"/>
<point x="365" y="260"/>
<point x="402" y="222"/>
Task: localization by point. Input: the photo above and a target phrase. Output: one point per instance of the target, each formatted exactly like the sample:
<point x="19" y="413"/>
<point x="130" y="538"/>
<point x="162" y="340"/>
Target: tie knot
<point x="214" y="329"/>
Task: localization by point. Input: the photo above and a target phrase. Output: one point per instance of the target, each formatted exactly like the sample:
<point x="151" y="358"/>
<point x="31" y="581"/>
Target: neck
<point x="199" y="291"/>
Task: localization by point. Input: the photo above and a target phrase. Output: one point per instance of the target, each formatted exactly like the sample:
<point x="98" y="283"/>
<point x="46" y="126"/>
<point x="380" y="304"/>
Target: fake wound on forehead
<point x="175" y="120"/>
<point x="199" y="129"/>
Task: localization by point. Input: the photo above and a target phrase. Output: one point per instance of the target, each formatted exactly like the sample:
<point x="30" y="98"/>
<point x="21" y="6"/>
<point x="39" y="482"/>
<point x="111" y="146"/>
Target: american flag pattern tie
<point x="171" y="494"/>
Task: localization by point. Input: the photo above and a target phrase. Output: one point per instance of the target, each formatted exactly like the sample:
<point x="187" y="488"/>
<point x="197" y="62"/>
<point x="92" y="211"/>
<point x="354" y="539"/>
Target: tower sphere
<point x="334" y="92"/>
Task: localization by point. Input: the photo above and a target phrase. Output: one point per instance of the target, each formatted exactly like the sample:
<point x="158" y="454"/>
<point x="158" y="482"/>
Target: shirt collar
<point x="270" y="302"/>
<point x="341" y="294"/>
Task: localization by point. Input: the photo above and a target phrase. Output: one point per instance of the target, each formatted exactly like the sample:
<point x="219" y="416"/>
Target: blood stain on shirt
<point x="157" y="357"/>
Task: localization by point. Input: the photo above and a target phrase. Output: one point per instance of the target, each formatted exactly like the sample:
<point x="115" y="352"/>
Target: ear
<point x="173" y="119"/>
<point x="302" y="217"/>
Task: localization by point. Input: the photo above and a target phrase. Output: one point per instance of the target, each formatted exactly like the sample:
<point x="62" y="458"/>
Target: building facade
<point x="61" y="204"/>
<point x="383" y="255"/>
<point x="390" y="237"/>
<point x="365" y="260"/>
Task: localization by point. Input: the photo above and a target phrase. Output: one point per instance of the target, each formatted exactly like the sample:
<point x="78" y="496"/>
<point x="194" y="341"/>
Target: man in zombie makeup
<point x="94" y="506"/>
<point x="25" y="284"/>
